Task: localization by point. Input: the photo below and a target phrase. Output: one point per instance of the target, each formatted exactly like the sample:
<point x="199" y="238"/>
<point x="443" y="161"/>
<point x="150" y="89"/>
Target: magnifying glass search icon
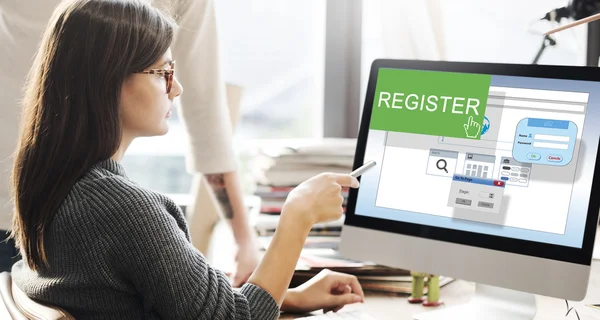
<point x="442" y="164"/>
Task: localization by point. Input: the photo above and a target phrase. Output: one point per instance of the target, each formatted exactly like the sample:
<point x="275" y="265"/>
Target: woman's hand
<point x="318" y="199"/>
<point x="328" y="290"/>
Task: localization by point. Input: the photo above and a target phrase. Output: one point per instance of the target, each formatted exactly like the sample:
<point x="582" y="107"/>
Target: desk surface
<point x="458" y="292"/>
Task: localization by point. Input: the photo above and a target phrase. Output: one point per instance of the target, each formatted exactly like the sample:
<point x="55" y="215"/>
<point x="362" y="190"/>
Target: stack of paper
<point x="266" y="224"/>
<point x="277" y="169"/>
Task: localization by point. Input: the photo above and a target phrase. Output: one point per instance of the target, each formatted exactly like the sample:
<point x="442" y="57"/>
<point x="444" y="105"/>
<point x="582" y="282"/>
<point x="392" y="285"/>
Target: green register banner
<point x="435" y="103"/>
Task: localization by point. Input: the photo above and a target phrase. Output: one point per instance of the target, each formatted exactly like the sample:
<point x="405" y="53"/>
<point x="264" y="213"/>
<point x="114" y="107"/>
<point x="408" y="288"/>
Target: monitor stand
<point x="488" y="303"/>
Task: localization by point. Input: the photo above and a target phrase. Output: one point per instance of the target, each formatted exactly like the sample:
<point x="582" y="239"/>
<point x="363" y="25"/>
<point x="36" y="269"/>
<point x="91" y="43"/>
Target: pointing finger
<point x="345" y="180"/>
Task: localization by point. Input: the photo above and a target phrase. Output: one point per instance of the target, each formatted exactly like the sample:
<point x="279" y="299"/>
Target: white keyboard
<point x="351" y="315"/>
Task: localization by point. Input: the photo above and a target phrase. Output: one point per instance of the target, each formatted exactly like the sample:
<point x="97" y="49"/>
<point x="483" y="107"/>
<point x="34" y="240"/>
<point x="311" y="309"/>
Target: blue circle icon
<point x="486" y="125"/>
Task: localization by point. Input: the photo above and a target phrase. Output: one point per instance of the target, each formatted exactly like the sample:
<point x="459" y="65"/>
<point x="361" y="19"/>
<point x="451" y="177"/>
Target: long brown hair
<point x="71" y="106"/>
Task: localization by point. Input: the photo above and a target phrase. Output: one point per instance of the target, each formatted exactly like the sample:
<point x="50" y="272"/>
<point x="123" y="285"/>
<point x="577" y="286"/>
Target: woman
<point x="93" y="241"/>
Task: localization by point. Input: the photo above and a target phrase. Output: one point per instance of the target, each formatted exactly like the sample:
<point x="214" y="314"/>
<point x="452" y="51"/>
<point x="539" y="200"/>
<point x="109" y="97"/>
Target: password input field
<point x="483" y="144"/>
<point x="549" y="137"/>
<point x="549" y="145"/>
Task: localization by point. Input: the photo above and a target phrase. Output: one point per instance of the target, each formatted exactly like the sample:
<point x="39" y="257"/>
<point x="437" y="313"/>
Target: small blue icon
<point x="530" y="135"/>
<point x="486" y="125"/>
<point x="504" y="178"/>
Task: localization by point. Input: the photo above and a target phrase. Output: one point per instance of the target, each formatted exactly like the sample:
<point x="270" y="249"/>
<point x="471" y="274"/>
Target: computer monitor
<point x="485" y="172"/>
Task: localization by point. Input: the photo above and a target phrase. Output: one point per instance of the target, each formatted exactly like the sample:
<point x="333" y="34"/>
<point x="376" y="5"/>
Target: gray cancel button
<point x="465" y="202"/>
<point x="485" y="204"/>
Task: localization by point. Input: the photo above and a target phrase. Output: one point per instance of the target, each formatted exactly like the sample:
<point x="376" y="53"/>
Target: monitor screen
<point x="509" y="156"/>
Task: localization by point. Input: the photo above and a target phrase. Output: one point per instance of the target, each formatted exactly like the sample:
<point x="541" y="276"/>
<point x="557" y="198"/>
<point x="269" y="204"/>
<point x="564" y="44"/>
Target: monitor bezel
<point x="537" y="249"/>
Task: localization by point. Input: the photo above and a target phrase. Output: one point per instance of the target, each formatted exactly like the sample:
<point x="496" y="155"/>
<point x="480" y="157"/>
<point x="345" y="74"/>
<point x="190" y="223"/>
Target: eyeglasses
<point x="167" y="73"/>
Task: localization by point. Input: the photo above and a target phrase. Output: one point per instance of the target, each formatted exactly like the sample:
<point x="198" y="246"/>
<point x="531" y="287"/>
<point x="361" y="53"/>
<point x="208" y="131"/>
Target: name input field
<point x="484" y="144"/>
<point x="549" y="137"/>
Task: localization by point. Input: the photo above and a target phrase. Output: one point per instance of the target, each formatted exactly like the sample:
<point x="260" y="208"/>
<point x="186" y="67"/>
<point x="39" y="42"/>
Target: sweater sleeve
<point x="149" y="248"/>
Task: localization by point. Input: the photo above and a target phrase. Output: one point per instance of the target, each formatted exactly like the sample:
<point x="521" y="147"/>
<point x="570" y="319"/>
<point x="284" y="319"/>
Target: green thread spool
<point x="433" y="289"/>
<point x="417" y="286"/>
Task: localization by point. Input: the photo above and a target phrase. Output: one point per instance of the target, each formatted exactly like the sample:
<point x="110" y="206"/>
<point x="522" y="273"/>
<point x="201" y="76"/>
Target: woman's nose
<point x="176" y="90"/>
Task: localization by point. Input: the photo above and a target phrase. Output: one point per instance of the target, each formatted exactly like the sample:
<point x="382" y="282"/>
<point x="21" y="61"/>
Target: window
<point x="274" y="50"/>
<point x="465" y="30"/>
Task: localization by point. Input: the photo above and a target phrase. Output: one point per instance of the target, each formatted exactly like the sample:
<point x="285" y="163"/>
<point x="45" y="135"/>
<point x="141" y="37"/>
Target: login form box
<point x="477" y="194"/>
<point x="544" y="141"/>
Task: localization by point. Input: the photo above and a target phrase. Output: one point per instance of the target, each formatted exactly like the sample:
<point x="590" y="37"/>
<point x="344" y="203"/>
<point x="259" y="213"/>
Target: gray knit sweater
<point x="119" y="251"/>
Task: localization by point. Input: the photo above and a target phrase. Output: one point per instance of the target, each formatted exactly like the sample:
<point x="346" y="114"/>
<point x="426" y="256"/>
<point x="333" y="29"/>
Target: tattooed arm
<point x="226" y="191"/>
<point x="229" y="194"/>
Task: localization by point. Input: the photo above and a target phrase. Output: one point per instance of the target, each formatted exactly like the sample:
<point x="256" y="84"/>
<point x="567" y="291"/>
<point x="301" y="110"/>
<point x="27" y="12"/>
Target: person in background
<point x="203" y="109"/>
<point x="94" y="242"/>
<point x="211" y="145"/>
